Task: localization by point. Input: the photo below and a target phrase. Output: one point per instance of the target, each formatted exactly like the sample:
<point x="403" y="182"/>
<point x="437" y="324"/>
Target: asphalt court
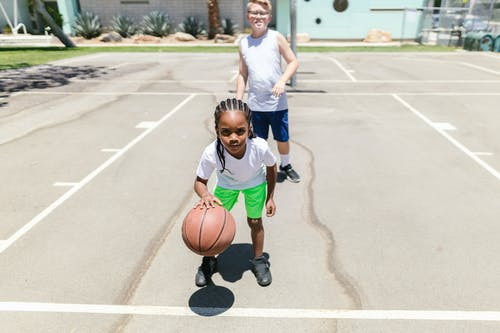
<point x="392" y="228"/>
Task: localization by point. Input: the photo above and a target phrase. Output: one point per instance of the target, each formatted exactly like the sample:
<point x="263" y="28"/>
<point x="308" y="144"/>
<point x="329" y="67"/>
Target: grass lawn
<point x="19" y="57"/>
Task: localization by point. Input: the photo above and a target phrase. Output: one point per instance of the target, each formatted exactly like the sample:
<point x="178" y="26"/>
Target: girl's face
<point x="233" y="132"/>
<point x="258" y="17"/>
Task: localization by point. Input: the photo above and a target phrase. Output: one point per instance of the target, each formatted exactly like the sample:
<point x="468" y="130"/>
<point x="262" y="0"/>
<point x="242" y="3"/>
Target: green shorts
<point x="255" y="197"/>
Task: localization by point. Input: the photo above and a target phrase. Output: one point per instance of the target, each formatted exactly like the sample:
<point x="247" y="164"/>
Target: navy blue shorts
<point x="278" y="120"/>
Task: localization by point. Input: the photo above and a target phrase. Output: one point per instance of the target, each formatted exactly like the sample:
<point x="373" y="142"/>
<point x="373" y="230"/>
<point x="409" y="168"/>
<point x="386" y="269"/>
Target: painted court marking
<point x="347" y="72"/>
<point x="38" y="218"/>
<point x="480" y="68"/>
<point x="65" y="184"/>
<point x="146" y="124"/>
<point x="457" y="144"/>
<point x="250" y="312"/>
<point x="110" y="150"/>
<point x="444" y="126"/>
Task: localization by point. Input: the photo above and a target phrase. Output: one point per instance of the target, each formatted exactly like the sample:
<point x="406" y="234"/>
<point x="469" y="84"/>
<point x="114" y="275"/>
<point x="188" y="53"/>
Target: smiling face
<point x="232" y="130"/>
<point x="259" y="17"/>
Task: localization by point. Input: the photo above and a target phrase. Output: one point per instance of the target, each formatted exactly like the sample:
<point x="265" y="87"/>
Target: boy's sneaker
<point x="290" y="173"/>
<point x="260" y="268"/>
<point x="205" y="271"/>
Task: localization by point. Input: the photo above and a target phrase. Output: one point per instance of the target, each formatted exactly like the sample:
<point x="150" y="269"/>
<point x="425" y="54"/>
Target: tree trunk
<point x="40" y="8"/>
<point x="214" y="26"/>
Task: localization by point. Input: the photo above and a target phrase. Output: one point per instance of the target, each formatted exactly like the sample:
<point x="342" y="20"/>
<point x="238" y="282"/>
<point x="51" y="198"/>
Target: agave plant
<point x="156" y="24"/>
<point x="192" y="26"/>
<point x="124" y="26"/>
<point x="228" y="26"/>
<point x="88" y="25"/>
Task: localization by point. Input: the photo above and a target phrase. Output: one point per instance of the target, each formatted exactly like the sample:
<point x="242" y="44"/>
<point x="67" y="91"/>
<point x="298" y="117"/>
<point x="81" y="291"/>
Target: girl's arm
<point x="207" y="199"/>
<point x="271" y="173"/>
<point x="241" y="80"/>
<point x="291" y="67"/>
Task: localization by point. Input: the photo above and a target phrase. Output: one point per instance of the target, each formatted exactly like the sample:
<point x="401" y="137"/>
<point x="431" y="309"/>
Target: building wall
<point x="354" y="22"/>
<point x="23" y="15"/>
<point x="176" y="10"/>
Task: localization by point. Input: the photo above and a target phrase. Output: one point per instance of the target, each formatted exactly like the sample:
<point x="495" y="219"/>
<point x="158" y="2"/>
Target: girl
<point x="244" y="163"/>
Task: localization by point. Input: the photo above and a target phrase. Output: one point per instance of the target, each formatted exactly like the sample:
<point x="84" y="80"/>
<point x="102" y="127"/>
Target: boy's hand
<point x="207" y="201"/>
<point x="270" y="208"/>
<point x="279" y="88"/>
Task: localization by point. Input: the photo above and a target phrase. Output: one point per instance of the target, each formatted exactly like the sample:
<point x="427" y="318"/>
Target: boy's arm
<point x="241" y="80"/>
<point x="206" y="198"/>
<point x="291" y="67"/>
<point x="271" y="173"/>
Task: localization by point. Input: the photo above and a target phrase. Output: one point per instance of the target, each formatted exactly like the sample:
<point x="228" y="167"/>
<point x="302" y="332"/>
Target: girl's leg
<point x="257" y="231"/>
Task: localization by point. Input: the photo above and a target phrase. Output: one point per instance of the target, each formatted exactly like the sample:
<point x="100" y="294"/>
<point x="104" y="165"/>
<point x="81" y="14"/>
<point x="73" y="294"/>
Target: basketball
<point x="208" y="231"/>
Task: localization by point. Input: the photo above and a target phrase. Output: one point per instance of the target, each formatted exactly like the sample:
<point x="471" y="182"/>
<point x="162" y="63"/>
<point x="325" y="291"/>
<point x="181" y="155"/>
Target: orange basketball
<point x="208" y="231"/>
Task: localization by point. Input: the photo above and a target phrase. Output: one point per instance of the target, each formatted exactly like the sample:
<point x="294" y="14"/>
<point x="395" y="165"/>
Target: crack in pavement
<point x="334" y="265"/>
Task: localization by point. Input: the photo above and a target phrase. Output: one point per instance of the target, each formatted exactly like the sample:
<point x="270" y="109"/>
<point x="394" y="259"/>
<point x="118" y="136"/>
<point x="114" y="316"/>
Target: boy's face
<point x="258" y="17"/>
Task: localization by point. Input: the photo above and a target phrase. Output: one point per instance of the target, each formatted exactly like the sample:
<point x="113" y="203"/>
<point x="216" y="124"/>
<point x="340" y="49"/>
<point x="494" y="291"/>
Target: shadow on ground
<point x="211" y="300"/>
<point x="42" y="77"/>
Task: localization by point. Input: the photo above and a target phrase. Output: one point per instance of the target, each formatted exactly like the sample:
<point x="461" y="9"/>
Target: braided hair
<point x="229" y="105"/>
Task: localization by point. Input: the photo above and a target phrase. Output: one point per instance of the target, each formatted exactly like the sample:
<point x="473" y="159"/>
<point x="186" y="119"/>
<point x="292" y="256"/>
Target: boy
<point x="260" y="65"/>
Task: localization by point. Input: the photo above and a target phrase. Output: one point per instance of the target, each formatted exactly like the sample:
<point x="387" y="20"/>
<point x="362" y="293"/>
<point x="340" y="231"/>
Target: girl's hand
<point x="270" y="208"/>
<point x="279" y="88"/>
<point x="207" y="201"/>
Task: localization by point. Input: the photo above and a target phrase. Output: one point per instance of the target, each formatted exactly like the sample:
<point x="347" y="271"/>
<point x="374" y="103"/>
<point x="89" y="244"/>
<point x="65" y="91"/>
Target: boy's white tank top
<point x="263" y="60"/>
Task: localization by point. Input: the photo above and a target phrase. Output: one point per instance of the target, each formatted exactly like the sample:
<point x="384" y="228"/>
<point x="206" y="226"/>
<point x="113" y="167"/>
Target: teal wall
<point x="354" y="22"/>
<point x="69" y="12"/>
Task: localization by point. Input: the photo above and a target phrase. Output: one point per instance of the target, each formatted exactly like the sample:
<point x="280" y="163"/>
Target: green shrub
<point x="228" y="26"/>
<point x="156" y="24"/>
<point x="192" y="26"/>
<point x="87" y="25"/>
<point x="124" y="26"/>
<point x="56" y="16"/>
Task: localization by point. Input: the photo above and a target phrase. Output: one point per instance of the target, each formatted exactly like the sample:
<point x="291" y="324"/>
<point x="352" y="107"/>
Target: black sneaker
<point x="291" y="174"/>
<point x="205" y="271"/>
<point x="260" y="268"/>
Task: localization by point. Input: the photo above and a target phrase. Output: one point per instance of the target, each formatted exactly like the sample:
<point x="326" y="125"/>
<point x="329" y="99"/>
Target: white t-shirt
<point x="239" y="174"/>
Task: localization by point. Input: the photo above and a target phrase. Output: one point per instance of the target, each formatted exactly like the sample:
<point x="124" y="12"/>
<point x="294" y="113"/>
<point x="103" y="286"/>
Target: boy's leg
<point x="209" y="264"/>
<point x="279" y="125"/>
<point x="255" y="198"/>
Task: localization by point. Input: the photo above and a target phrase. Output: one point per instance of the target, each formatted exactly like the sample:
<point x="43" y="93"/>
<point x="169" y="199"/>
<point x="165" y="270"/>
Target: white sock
<point x="285" y="159"/>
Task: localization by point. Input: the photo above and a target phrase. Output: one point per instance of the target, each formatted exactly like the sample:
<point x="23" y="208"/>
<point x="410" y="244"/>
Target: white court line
<point x="234" y="77"/>
<point x="482" y="153"/>
<point x="27" y="227"/>
<point x="83" y="80"/>
<point x="480" y="68"/>
<point x="250" y="312"/>
<point x="65" y="184"/>
<point x="347" y="72"/>
<point x="146" y="124"/>
<point x="110" y="150"/>
<point x="457" y="144"/>
<point x="444" y="126"/>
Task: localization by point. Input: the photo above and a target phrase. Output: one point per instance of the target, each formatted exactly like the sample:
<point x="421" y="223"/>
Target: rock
<point x="184" y="37"/>
<point x="112" y="36"/>
<point x="378" y="36"/>
<point x="302" y="37"/>
<point x="146" y="39"/>
<point x="222" y="38"/>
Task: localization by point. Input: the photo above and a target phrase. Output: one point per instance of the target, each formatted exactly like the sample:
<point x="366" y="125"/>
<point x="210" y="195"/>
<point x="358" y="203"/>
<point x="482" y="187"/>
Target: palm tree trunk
<point x="214" y="26"/>
<point x="40" y="8"/>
